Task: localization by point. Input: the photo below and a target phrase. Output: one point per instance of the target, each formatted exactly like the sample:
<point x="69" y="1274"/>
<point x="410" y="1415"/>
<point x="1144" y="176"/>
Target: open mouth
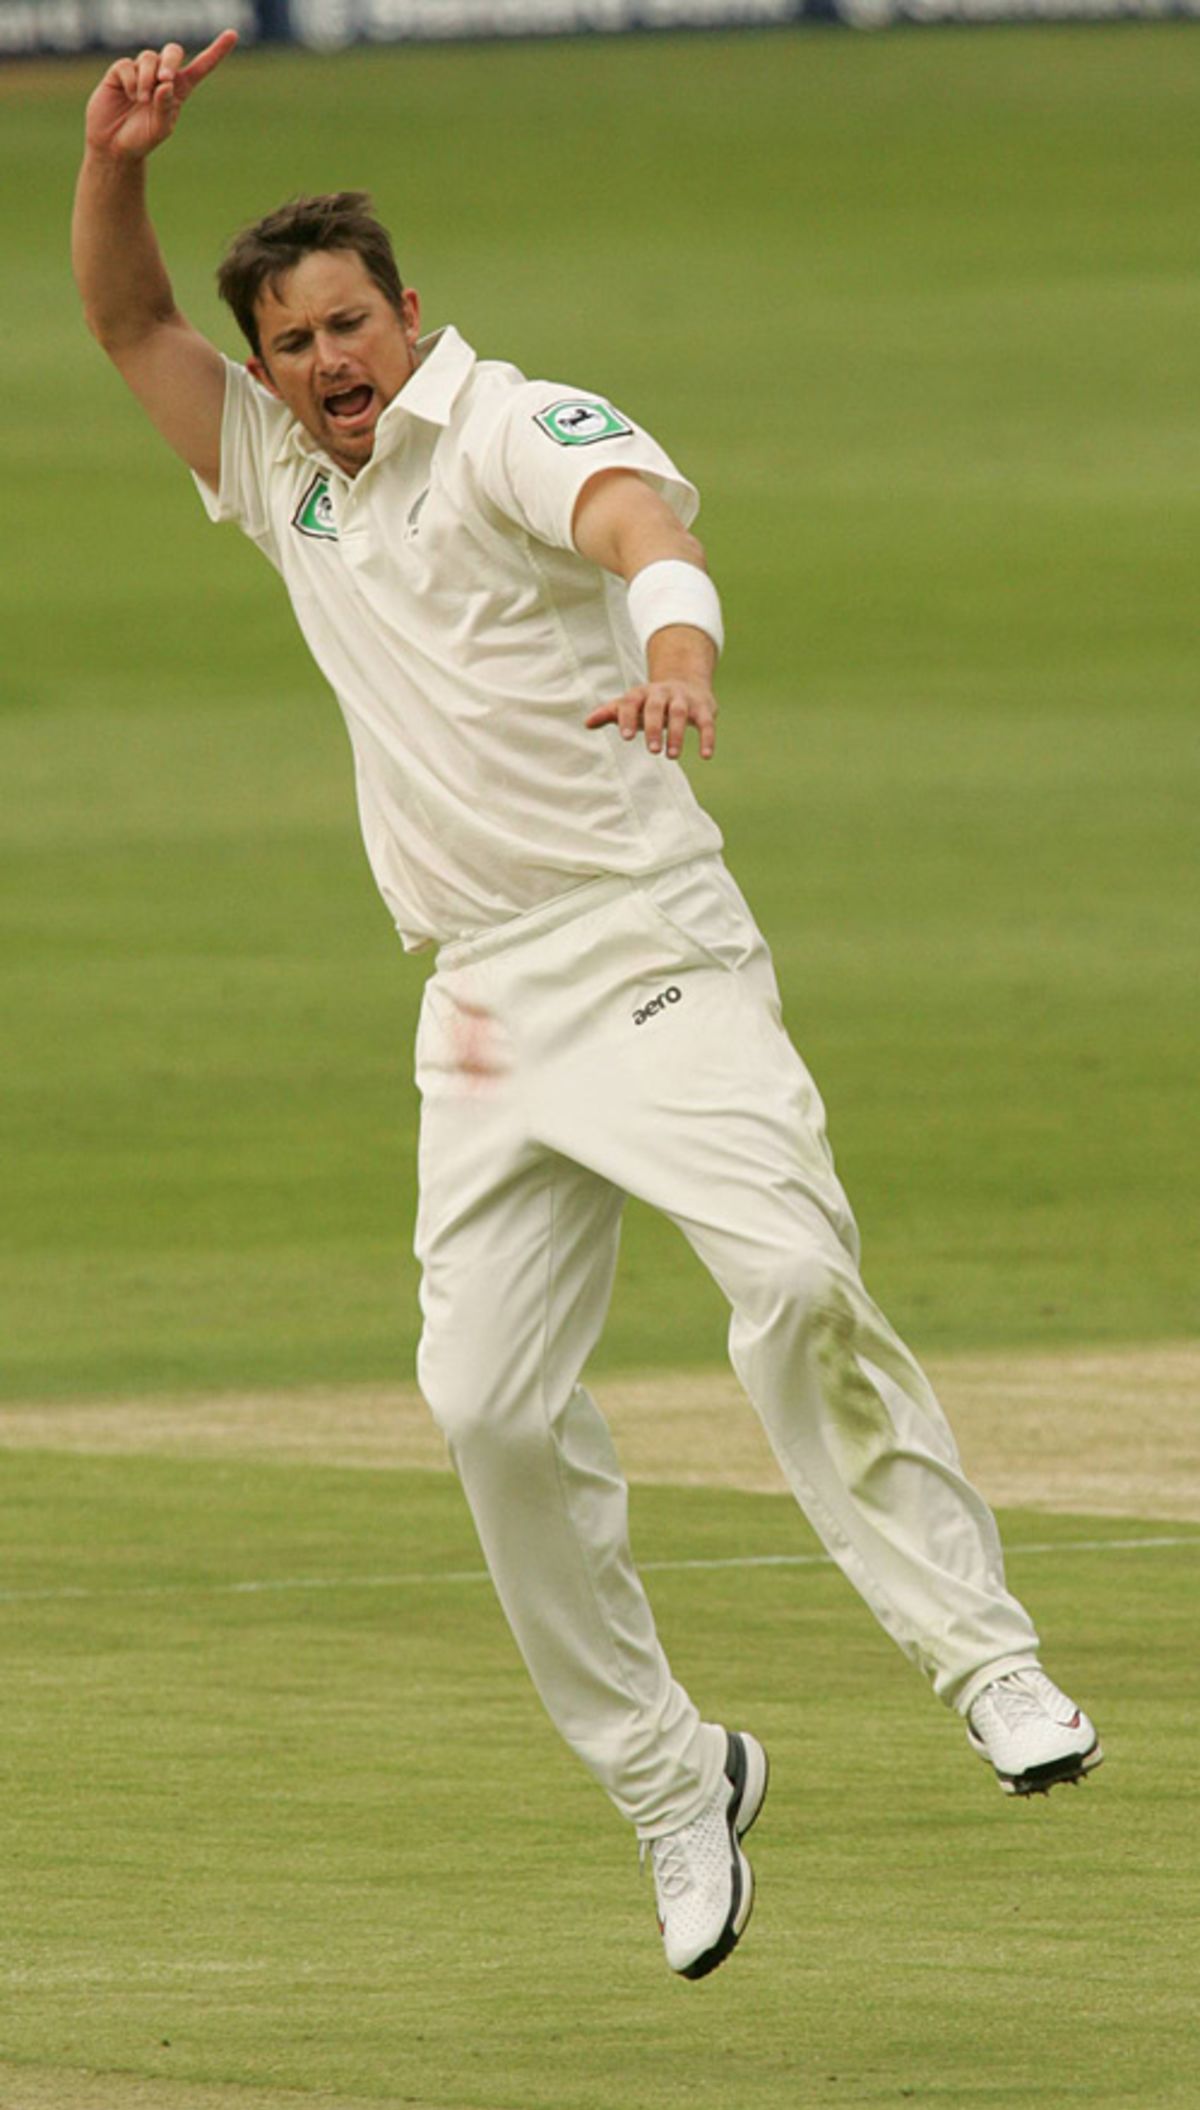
<point x="347" y="405"/>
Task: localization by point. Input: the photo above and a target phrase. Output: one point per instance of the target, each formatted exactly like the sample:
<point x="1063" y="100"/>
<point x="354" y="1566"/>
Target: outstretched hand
<point x="137" y="104"/>
<point x="663" y="710"/>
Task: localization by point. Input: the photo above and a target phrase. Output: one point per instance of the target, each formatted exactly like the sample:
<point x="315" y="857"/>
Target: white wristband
<point x="671" y="591"/>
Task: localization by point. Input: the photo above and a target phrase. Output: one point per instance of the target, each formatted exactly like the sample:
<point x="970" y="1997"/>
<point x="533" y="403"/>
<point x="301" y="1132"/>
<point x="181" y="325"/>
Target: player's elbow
<point x="659" y="534"/>
<point x="691" y="550"/>
<point x="676" y="546"/>
<point x="99" y="325"/>
<point x="122" y="331"/>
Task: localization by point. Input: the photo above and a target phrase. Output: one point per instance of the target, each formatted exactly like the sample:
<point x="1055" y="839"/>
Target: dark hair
<point x="263" y="254"/>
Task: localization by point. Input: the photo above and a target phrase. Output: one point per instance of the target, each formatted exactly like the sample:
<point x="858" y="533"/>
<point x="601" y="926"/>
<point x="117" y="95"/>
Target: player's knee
<point x="797" y="1286"/>
<point x="454" y="1395"/>
<point x="472" y="1406"/>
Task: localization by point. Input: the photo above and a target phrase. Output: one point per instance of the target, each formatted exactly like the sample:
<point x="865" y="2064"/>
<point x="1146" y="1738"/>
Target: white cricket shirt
<point x="464" y="636"/>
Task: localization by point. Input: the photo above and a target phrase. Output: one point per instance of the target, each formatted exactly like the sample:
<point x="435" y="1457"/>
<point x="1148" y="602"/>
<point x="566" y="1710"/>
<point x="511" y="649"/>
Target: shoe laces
<point x="669" y="1859"/>
<point x="694" y="1856"/>
<point x="1022" y="1696"/>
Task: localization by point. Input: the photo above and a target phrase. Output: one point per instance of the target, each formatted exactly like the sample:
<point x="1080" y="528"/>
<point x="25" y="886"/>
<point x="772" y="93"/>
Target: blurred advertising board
<point x="120" y="25"/>
<point x="28" y="26"/>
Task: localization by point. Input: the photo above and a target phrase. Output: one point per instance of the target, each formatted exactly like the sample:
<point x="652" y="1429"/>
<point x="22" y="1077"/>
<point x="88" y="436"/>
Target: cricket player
<point x="499" y="580"/>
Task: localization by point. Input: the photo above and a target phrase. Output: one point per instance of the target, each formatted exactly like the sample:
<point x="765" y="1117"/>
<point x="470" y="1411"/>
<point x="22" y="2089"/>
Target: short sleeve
<point x="253" y="423"/>
<point x="551" y="441"/>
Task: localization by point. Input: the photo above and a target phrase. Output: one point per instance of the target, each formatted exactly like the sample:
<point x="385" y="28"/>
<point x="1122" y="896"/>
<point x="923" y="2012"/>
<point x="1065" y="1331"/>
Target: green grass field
<point x="282" y="1813"/>
<point x="282" y="1823"/>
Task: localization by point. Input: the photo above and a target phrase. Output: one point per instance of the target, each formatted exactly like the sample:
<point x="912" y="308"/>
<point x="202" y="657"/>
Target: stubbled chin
<point x="354" y="447"/>
<point x="352" y="463"/>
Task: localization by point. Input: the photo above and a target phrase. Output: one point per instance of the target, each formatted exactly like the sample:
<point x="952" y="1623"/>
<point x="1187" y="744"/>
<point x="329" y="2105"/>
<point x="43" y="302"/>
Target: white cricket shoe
<point x="702" y="1879"/>
<point x="1031" y="1733"/>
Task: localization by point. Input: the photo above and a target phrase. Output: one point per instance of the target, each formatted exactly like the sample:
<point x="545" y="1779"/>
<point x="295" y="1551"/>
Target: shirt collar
<point x="445" y="361"/>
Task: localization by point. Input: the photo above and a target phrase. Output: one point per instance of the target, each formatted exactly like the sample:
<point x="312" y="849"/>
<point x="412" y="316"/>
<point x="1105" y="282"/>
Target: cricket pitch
<point x="1099" y="1432"/>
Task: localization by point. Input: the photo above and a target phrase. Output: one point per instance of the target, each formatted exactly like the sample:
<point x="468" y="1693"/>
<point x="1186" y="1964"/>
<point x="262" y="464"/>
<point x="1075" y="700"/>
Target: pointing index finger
<point x="190" y="76"/>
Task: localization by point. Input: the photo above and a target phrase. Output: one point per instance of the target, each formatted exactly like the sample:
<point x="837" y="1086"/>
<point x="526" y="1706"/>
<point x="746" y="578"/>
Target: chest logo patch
<point x="314" y="514"/>
<point x="579" y="423"/>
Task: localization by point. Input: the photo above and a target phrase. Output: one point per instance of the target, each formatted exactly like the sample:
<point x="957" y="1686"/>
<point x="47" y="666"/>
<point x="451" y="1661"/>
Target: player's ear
<point x="258" y="368"/>
<point x="411" y="316"/>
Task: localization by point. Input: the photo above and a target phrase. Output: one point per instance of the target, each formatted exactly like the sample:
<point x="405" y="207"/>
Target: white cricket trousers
<point x="628" y="1040"/>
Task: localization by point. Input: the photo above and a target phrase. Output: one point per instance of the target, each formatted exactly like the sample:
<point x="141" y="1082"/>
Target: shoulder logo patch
<point x="314" y="514"/>
<point x="579" y="422"/>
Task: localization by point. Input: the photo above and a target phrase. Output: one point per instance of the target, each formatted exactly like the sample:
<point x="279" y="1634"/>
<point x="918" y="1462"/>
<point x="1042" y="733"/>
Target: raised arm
<point x="623" y="525"/>
<point x="174" y="372"/>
